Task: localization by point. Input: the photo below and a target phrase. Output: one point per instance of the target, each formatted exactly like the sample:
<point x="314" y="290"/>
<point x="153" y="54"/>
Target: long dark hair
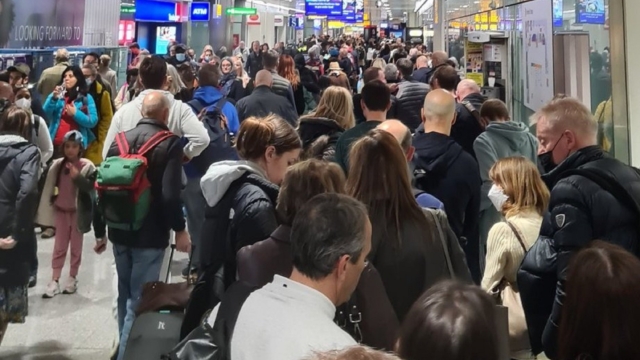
<point x="81" y="87"/>
<point x="600" y="316"/>
<point x="379" y="178"/>
<point x="450" y="321"/>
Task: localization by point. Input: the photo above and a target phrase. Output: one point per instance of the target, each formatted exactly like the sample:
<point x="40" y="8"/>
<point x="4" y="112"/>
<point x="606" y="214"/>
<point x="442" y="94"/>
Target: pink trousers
<point x="67" y="235"/>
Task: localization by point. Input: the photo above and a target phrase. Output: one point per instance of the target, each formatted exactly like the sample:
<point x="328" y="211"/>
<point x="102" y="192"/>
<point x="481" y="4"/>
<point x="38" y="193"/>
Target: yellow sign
<point x="365" y="17"/>
<point x="335" y="24"/>
<point x="477" y="77"/>
<point x="217" y="11"/>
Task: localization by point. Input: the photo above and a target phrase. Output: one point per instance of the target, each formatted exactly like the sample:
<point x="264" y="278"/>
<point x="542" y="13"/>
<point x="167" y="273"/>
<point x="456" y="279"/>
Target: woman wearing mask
<point x="207" y="54"/>
<point x="19" y="173"/>
<point x="309" y="81"/>
<point x="230" y="85"/>
<point x="521" y="197"/>
<point x="71" y="107"/>
<point x="321" y="129"/>
<point x="40" y="135"/>
<point x="268" y="146"/>
<point x="600" y="317"/>
<point x="287" y="69"/>
<point x="175" y="85"/>
<point x="258" y="263"/>
<point x="411" y="246"/>
<point x="451" y="321"/>
<point x="502" y="138"/>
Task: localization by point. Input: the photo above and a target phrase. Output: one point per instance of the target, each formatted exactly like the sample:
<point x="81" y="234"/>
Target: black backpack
<point x="220" y="138"/>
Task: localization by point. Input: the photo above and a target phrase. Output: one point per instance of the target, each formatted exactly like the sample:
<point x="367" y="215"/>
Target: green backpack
<point x="124" y="191"/>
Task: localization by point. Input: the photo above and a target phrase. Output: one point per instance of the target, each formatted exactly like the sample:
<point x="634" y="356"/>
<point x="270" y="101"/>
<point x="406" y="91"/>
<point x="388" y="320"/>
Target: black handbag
<point x="214" y="343"/>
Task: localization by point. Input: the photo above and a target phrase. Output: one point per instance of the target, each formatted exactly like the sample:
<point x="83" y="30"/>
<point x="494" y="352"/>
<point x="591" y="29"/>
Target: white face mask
<point x="497" y="197"/>
<point x="23" y="103"/>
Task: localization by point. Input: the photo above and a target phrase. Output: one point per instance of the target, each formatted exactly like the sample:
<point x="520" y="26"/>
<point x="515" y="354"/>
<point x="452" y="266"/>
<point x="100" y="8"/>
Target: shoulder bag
<point x="507" y="295"/>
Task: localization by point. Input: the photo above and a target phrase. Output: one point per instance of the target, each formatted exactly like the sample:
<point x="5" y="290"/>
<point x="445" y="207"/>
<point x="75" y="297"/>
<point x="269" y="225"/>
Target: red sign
<point x="253" y="19"/>
<point x="236" y="40"/>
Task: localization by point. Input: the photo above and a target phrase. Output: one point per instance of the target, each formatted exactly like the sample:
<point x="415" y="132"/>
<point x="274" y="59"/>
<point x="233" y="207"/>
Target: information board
<point x="323" y="7"/>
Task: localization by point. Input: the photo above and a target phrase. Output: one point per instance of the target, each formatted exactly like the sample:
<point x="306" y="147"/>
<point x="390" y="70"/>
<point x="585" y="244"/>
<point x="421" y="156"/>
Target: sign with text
<point x="37" y="23"/>
<point x="200" y="11"/>
<point x="241" y="11"/>
<point x="590" y="12"/>
<point x="159" y="11"/>
<point x="323" y="7"/>
<point x="278" y="20"/>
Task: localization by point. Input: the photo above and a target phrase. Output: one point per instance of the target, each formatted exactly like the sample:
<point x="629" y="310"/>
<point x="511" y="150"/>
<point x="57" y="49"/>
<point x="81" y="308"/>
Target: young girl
<point x="66" y="203"/>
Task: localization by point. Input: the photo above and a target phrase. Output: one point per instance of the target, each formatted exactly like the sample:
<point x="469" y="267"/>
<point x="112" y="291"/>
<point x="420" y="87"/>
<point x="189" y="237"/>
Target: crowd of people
<point x="357" y="201"/>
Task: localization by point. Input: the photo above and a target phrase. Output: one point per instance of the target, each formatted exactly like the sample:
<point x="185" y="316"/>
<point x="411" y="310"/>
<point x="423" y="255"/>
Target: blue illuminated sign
<point x="590" y="12"/>
<point x="348" y="12"/>
<point x="323" y="7"/>
<point x="200" y="11"/>
<point x="158" y="11"/>
<point x="557" y="13"/>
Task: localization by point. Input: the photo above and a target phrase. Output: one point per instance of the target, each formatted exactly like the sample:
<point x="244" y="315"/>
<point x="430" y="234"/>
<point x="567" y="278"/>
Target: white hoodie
<point x="182" y="121"/>
<point x="219" y="176"/>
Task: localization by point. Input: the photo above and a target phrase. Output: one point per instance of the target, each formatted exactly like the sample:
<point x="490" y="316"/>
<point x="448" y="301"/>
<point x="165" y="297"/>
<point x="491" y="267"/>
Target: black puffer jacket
<point x="467" y="128"/>
<point x="319" y="137"/>
<point x="19" y="170"/>
<point x="254" y="64"/>
<point x="165" y="175"/>
<point x="579" y="211"/>
<point x="410" y="97"/>
<point x="252" y="208"/>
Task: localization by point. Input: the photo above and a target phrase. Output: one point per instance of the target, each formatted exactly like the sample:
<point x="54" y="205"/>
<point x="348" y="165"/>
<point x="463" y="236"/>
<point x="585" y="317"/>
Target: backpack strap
<point x="196" y="105"/>
<point x="417" y="192"/>
<point x="476" y="114"/>
<point x="123" y="145"/>
<point x="156" y="139"/>
<point x="518" y="235"/>
<point x="220" y="104"/>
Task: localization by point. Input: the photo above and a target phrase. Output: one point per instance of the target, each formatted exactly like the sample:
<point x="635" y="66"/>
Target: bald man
<point x="263" y="101"/>
<point x="438" y="59"/>
<point x="422" y="69"/>
<point x="402" y="133"/>
<point x="139" y="254"/>
<point x="6" y="92"/>
<point x="444" y="170"/>
<point x="469" y="124"/>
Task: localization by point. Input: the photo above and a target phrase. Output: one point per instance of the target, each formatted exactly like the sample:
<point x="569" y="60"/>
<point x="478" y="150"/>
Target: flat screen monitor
<point x="164" y="35"/>
<point x="590" y="12"/>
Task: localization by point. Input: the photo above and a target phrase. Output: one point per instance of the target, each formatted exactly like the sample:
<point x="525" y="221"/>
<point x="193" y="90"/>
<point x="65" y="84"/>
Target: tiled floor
<point x="77" y="327"/>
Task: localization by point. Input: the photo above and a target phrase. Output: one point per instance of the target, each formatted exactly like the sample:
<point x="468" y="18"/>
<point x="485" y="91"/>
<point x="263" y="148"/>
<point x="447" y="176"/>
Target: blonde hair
<point x="357" y="352"/>
<point x="521" y="182"/>
<point x="336" y="104"/>
<point x="379" y="63"/>
<point x="176" y="81"/>
<point x="568" y="113"/>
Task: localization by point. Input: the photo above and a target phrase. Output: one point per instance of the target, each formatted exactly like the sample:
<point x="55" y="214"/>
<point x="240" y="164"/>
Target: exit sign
<point x="241" y="11"/>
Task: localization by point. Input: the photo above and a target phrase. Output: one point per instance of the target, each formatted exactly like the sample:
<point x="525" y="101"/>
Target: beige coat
<point x="51" y="78"/>
<point x="84" y="196"/>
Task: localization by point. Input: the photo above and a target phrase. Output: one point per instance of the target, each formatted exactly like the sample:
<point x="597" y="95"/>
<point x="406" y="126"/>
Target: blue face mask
<point x="180" y="57"/>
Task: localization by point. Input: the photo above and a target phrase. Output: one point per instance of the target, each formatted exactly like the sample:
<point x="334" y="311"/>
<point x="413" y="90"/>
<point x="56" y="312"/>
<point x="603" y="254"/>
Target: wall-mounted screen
<point x="557" y="13"/>
<point x="164" y="35"/>
<point x="590" y="11"/>
<point x="323" y="7"/>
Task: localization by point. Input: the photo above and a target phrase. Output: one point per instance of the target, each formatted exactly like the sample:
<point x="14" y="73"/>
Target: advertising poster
<point x="37" y="23"/>
<point x="164" y="35"/>
<point x="359" y="11"/>
<point x="590" y="11"/>
<point x="557" y="13"/>
<point x="348" y="12"/>
<point x="538" y="47"/>
<point x="323" y="7"/>
<point x="475" y="62"/>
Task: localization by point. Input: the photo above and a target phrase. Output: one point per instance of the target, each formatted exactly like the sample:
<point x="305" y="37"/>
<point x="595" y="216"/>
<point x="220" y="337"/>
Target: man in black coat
<point x="254" y="60"/>
<point x="410" y="96"/>
<point x="264" y="101"/>
<point x="444" y="170"/>
<point x="422" y="70"/>
<point x="580" y="210"/>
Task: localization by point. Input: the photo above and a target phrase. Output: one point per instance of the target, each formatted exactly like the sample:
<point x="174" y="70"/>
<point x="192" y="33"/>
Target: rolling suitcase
<point x="154" y="333"/>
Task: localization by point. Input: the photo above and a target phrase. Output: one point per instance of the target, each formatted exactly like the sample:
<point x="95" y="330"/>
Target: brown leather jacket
<point x="258" y="263"/>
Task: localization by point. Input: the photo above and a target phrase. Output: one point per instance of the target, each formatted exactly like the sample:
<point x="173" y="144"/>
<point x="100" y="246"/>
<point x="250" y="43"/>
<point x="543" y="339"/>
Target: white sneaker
<point x="53" y="289"/>
<point x="71" y="286"/>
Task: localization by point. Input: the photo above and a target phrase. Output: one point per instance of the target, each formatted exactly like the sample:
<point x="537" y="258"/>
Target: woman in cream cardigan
<point x="519" y="194"/>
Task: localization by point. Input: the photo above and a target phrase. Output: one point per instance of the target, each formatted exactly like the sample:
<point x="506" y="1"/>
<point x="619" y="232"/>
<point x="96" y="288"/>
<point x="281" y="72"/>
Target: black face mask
<point x="546" y="159"/>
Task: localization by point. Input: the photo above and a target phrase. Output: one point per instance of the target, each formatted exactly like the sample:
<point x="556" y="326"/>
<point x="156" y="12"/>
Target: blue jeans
<point x="135" y="267"/>
<point x="195" y="203"/>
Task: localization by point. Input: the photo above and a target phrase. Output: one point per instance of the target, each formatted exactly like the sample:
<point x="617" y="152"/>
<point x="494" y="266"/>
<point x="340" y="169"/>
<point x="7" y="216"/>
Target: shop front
<point x="158" y="23"/>
<point x="526" y="52"/>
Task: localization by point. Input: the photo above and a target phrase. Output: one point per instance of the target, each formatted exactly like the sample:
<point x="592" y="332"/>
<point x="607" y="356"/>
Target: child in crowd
<point x="66" y="203"/>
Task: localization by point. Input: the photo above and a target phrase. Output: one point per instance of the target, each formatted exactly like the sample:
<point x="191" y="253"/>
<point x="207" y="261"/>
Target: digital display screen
<point x="590" y="11"/>
<point x="557" y="13"/>
<point x="323" y="7"/>
<point x="164" y="35"/>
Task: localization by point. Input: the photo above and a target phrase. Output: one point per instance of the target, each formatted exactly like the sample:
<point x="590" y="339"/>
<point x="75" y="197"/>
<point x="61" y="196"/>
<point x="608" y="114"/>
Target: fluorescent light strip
<point x="275" y="6"/>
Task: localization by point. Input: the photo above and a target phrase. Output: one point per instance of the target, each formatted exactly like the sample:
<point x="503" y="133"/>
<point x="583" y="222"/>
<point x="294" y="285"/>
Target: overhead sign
<point x="253" y="19"/>
<point x="127" y="9"/>
<point x="278" y="20"/>
<point x="200" y="11"/>
<point x="296" y="22"/>
<point x="348" y="12"/>
<point x="160" y="11"/>
<point x="323" y="7"/>
<point x="216" y="11"/>
<point x="240" y="11"/>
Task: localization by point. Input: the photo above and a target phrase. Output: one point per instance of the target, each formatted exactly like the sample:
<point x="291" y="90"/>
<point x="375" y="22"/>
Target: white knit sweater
<point x="504" y="252"/>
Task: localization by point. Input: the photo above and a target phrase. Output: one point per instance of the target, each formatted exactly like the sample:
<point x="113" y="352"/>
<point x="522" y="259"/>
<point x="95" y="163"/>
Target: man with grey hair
<point x="280" y="86"/>
<point x="292" y="318"/>
<point x="242" y="51"/>
<point x="593" y="196"/>
<point x="391" y="74"/>
<point x="139" y="254"/>
<point x="50" y="77"/>
<point x="444" y="170"/>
